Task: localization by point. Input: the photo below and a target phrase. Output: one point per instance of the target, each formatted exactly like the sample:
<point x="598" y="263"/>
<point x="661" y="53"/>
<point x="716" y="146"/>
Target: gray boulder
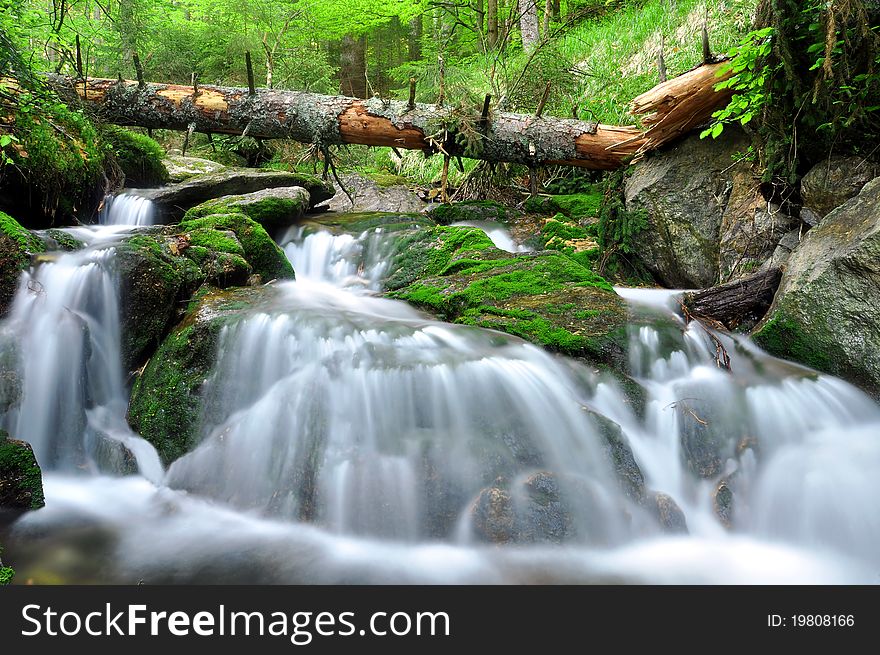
<point x="835" y="180"/>
<point x="271" y="208"/>
<point x="370" y="196"/>
<point x="175" y="199"/>
<point x="827" y="311"/>
<point x="684" y="192"/>
<point x="182" y="168"/>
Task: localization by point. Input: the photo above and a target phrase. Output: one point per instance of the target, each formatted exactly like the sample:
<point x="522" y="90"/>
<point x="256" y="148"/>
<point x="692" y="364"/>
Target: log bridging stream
<point x="668" y="110"/>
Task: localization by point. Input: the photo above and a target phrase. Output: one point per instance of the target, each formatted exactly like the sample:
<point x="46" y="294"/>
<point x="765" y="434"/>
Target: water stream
<point x="349" y="438"/>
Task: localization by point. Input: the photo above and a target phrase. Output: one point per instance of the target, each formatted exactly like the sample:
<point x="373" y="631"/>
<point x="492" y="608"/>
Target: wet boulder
<point x="667" y="512"/>
<point x="174" y="200"/>
<point x="21" y="481"/>
<point x="834" y="180"/>
<point x="471" y="210"/>
<point x="182" y="168"/>
<point x="271" y="208"/>
<point x="683" y="192"/>
<point x="16" y="247"/>
<point x="163" y="266"/>
<point x="166" y="400"/>
<point x="381" y="192"/>
<point x="457" y="274"/>
<point x="826" y="313"/>
<point x="616" y="446"/>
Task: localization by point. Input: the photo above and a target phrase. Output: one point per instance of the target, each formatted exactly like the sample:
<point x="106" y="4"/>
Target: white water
<point x="127" y="209"/>
<point x="347" y="439"/>
<point x="497" y="232"/>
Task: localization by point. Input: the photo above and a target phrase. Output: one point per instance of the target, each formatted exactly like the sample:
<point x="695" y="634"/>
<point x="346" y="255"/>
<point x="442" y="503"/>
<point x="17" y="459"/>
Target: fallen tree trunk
<point x="669" y="109"/>
<point x="741" y="302"/>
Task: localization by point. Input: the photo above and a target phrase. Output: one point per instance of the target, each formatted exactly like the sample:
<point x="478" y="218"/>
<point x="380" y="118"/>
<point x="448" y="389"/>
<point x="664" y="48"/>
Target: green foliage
<point x="139" y="157"/>
<point x="812" y="68"/>
<point x="750" y="75"/>
<point x="6" y="575"/>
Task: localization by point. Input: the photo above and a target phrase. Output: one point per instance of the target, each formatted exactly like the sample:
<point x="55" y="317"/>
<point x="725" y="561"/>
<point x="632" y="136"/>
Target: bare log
<point x="736" y="303"/>
<point x="669" y="110"/>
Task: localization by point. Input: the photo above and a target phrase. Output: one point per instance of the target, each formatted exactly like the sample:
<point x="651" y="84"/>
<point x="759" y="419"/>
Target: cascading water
<point x="127" y="209"/>
<point x="348" y="438"/>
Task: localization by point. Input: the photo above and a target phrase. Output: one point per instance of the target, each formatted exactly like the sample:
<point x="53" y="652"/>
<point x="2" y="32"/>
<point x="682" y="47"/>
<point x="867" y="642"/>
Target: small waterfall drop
<point x="128" y="209"/>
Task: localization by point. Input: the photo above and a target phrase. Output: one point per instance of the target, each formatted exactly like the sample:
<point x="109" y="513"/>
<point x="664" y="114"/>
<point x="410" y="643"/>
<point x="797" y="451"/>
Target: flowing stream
<point x="349" y="438"/>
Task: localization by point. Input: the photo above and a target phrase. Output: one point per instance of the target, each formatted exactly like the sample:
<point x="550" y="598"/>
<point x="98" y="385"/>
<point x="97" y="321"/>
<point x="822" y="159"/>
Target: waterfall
<point x="127" y="209"/>
<point x="63" y="337"/>
<point x="349" y="438"/>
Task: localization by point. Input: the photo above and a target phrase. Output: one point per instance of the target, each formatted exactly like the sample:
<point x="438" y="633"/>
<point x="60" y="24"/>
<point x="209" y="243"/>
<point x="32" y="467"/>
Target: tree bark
<point x="334" y="120"/>
<point x="528" y="23"/>
<point x="741" y="302"/>
<point x="492" y="22"/>
<point x="353" y="66"/>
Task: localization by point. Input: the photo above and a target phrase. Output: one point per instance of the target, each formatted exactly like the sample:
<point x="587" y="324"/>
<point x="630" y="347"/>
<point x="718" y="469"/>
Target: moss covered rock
<point x="471" y="210"/>
<point x="161" y="268"/>
<point x="581" y="207"/>
<point x="826" y="313"/>
<point x="182" y="168"/>
<point x="357" y="223"/>
<point x="21" y="481"/>
<point x="61" y="169"/>
<point x="175" y="199"/>
<point x="546" y="297"/>
<point x="271" y="208"/>
<point x="165" y="406"/>
<point x="264" y="256"/>
<point x="139" y="157"/>
<point x="16" y="247"/>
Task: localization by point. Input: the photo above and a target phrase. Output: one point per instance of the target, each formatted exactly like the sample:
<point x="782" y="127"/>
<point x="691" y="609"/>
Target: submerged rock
<point x="174" y="199"/>
<point x="833" y="181"/>
<point x="21" y="481"/>
<point x="166" y="398"/>
<point x="271" y="208"/>
<point x="722" y="503"/>
<point x="112" y="457"/>
<point x="16" y="247"/>
<point x="546" y="297"/>
<point x="668" y="513"/>
<point x="827" y="311"/>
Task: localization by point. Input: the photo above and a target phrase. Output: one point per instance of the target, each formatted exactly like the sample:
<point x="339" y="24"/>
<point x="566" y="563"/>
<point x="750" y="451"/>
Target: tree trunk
<point x="414" y="39"/>
<point x="528" y="23"/>
<point x="334" y="120"/>
<point x="548" y="12"/>
<point x="492" y="22"/>
<point x="741" y="302"/>
<point x="353" y="66"/>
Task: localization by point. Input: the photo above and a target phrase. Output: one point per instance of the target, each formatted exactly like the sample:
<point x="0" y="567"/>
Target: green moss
<point x="63" y="241"/>
<point x="385" y="179"/>
<point x="784" y="337"/>
<point x="264" y="208"/>
<point x="547" y="298"/>
<point x="61" y="159"/>
<point x="576" y="206"/>
<point x="166" y="402"/>
<point x="164" y="407"/>
<point x="16" y="246"/>
<point x="470" y="210"/>
<point x="263" y="254"/>
<point x="20" y="477"/>
<point x="217" y="240"/>
<point x="139" y="157"/>
<point x="25" y="240"/>
<point x="6" y="575"/>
